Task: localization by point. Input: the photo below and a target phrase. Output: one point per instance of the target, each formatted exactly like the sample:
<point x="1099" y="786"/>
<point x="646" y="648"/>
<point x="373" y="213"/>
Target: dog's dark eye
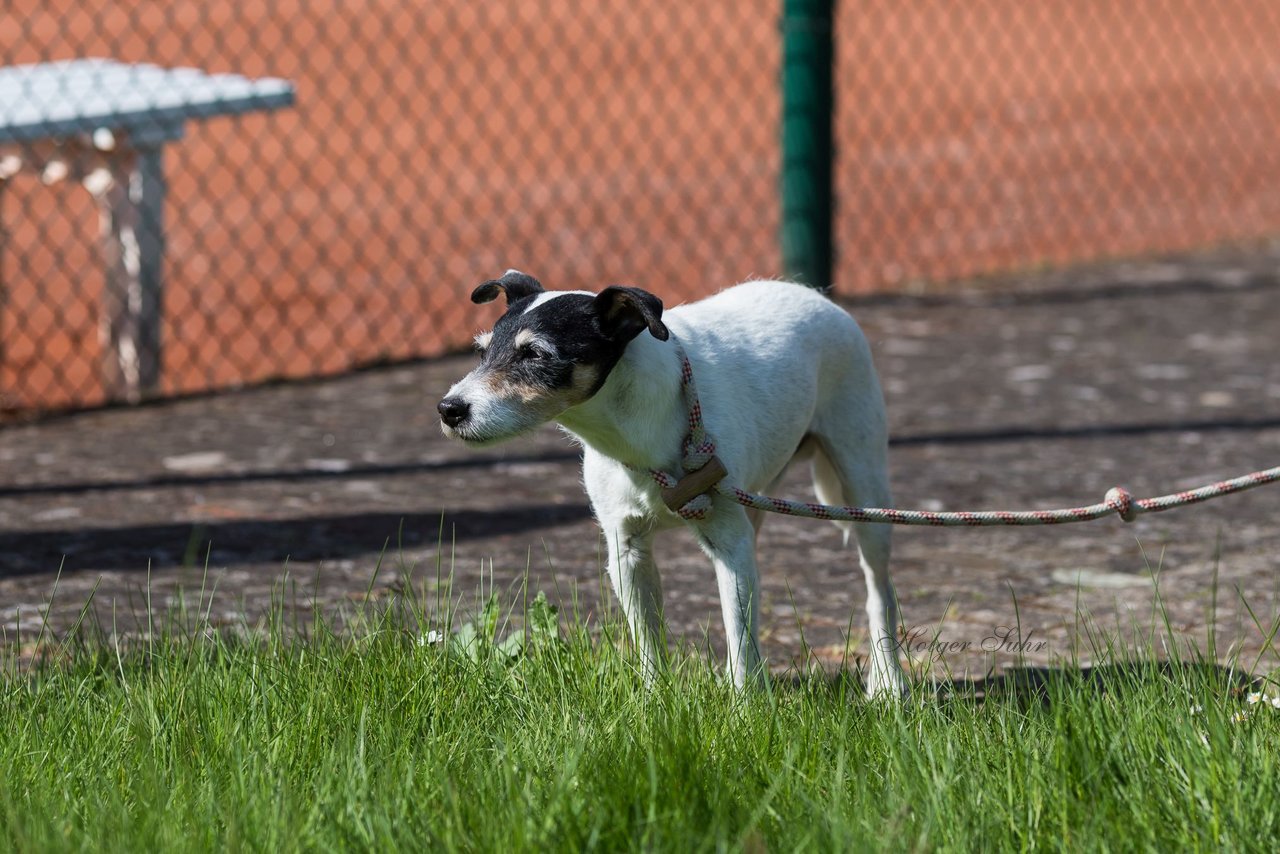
<point x="531" y="353"/>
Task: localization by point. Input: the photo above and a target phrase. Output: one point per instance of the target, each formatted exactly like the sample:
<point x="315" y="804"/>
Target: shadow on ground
<point x="1031" y="686"/>
<point x="233" y="543"/>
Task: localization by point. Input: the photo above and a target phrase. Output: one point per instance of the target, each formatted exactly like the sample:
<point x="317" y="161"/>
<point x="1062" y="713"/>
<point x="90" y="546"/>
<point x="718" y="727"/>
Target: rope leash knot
<point x="1119" y="499"/>
<point x="689" y="495"/>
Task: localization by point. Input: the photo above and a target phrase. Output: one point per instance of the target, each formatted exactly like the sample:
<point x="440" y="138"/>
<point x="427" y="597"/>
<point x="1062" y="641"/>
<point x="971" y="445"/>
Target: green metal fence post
<point x="808" y="56"/>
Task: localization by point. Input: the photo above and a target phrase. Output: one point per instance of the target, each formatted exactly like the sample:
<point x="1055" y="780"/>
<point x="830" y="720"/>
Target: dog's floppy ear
<point x="513" y="283"/>
<point x="626" y="312"/>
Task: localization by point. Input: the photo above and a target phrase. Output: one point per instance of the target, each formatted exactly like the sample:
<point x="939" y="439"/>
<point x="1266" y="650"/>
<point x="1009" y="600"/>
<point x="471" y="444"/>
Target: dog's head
<point x="551" y="350"/>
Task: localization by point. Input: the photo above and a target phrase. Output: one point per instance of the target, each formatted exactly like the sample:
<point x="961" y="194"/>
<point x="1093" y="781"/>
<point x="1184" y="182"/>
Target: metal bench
<point x="105" y="124"/>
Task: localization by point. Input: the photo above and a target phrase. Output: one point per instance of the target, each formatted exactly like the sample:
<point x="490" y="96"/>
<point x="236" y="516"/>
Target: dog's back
<point x="764" y="315"/>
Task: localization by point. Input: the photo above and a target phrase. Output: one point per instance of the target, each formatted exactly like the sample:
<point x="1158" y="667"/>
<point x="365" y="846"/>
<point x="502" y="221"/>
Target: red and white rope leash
<point x="701" y="465"/>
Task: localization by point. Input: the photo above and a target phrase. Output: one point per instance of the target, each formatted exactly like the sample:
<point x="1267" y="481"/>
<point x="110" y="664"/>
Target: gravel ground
<point x="1036" y="391"/>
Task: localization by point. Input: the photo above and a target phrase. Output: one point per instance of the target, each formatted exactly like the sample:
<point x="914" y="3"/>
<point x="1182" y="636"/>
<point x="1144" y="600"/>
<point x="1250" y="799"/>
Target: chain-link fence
<point x="423" y="147"/>
<point x="995" y="135"/>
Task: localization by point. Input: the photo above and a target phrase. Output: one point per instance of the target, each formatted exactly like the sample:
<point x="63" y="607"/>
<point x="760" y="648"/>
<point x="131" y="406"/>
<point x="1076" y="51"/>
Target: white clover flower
<point x="1275" y="702"/>
<point x="431" y="638"/>
<point x="1254" y="698"/>
<point x="1240" y="717"/>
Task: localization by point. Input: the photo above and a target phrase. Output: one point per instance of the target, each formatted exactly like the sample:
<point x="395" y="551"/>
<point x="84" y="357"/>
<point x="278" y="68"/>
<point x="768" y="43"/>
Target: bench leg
<point x="5" y="401"/>
<point x="131" y="226"/>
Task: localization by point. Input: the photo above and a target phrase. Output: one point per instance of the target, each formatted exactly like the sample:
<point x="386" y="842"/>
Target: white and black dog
<point x="782" y="373"/>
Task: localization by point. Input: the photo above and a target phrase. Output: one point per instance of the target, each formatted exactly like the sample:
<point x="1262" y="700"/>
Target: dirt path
<point x="1039" y="392"/>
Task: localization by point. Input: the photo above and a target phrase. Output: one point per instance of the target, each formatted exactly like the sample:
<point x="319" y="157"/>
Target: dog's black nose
<point x="453" y="410"/>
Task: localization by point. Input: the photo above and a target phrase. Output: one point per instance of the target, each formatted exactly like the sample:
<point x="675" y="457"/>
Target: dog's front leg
<point x="728" y="538"/>
<point x="638" y="587"/>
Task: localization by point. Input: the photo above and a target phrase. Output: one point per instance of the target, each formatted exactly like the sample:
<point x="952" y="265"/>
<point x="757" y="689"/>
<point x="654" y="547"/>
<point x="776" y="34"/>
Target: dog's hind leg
<point x="859" y="476"/>
<point x="638" y="587"/>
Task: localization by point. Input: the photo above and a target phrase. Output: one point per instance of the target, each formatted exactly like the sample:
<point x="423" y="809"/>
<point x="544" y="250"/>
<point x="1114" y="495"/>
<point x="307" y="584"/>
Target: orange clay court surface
<point x="434" y="144"/>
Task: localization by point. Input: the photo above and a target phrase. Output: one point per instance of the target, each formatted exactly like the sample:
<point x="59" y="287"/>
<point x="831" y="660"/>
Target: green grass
<point x="304" y="738"/>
